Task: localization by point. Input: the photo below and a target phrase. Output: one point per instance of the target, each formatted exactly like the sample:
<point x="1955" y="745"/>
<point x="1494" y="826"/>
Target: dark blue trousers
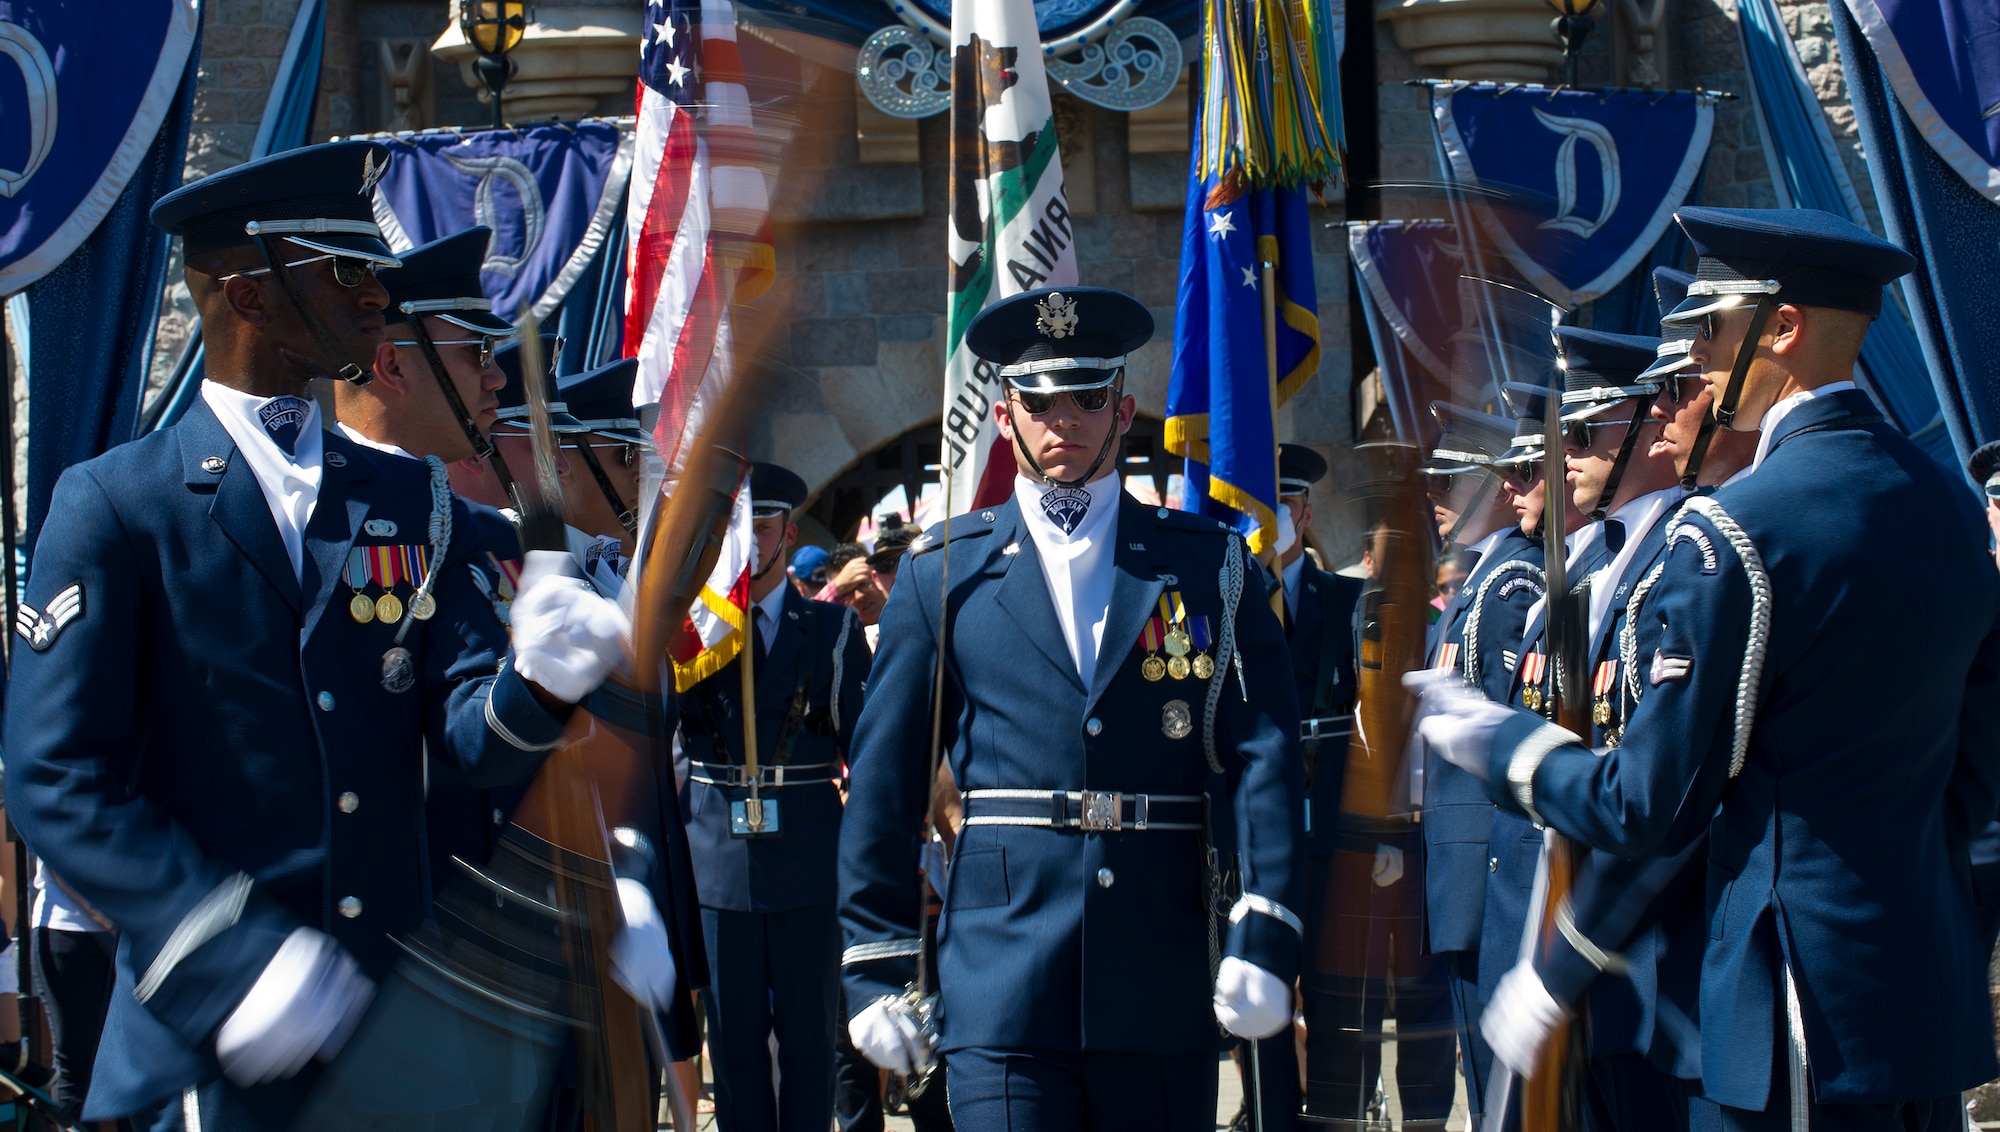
<point x="1625" y="1093"/>
<point x="1475" y="1060"/>
<point x="772" y="973"/>
<point x="996" y="1090"/>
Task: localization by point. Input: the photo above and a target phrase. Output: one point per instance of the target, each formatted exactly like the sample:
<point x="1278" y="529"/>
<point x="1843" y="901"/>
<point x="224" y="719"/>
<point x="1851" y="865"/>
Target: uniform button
<point x="498" y="817"/>
<point x="350" y="906"/>
<point x="1492" y="864"/>
<point x="1093" y="726"/>
<point x="349" y="802"/>
<point x="1104" y="878"/>
<point x="326" y="701"/>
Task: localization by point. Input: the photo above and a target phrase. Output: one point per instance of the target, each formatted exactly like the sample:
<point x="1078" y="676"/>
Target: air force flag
<point x="550" y="193"/>
<point x="1578" y="185"/>
<point x="82" y="93"/>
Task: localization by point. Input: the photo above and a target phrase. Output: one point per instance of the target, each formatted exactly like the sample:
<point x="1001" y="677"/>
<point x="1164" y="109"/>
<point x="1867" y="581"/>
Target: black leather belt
<point x="732" y="774"/>
<point x="1089" y="810"/>
<point x="1326" y="727"/>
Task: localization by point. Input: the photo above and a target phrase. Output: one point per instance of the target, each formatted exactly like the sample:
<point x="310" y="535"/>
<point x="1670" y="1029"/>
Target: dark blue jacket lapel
<point x="336" y="519"/>
<point x="1024" y="591"/>
<point x="239" y="506"/>
<point x="1135" y="592"/>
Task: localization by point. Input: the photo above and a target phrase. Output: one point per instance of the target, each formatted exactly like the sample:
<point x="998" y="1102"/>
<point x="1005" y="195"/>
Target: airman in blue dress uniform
<point x="207" y="739"/>
<point x="765" y="836"/>
<point x="1838" y="794"/>
<point x="1098" y="661"/>
<point x="1478" y="636"/>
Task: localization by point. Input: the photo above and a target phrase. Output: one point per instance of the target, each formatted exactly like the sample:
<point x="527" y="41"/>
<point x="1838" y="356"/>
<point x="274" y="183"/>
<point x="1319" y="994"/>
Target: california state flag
<point x="718" y="623"/>
<point x="1009" y="229"/>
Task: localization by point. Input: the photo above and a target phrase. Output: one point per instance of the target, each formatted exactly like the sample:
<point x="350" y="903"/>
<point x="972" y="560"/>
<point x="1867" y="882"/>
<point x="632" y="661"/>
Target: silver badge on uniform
<point x="399" y="675"/>
<point x="1176" y="720"/>
<point x="379" y="528"/>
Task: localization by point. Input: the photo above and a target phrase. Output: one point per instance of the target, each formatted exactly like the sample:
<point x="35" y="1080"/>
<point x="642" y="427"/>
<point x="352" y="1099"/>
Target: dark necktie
<point x="1066" y="506"/>
<point x="283" y="417"/>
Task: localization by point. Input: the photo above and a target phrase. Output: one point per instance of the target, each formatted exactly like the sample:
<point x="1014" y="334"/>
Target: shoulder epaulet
<point x="972" y="524"/>
<point x="1190" y="521"/>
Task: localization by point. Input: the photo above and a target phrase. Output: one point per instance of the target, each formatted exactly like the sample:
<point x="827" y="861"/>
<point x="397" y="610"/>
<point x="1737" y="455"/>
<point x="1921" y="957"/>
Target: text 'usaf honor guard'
<point x="1097" y="661"/>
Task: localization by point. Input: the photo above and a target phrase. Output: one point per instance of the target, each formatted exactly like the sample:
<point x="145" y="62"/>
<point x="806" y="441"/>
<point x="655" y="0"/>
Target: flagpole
<point x="1267" y="265"/>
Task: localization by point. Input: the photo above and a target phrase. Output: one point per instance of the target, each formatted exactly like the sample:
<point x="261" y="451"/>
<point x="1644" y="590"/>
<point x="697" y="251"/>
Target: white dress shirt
<point x="1778" y="412"/>
<point x="1638" y="515"/>
<point x="1077" y="566"/>
<point x="1293" y="573"/>
<point x="290" y="483"/>
<point x="764" y="614"/>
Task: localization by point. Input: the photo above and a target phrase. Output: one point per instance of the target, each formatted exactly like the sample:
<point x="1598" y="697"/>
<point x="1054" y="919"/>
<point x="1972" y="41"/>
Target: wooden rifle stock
<point x="1549" y="1100"/>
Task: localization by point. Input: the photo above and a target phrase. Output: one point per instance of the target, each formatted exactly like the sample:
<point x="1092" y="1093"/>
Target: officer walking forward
<point x="206" y="740"/>
<point x="1098" y="657"/>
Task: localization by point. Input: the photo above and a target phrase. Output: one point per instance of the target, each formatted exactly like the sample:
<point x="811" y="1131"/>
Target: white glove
<point x="567" y="637"/>
<point x="1288" y="533"/>
<point x="1388" y="865"/>
<point x="1251" y="1002"/>
<point x="306" y="1003"/>
<point x="890" y="1039"/>
<point x="1454" y="719"/>
<point x="641" y="959"/>
<point x="1520" y="1019"/>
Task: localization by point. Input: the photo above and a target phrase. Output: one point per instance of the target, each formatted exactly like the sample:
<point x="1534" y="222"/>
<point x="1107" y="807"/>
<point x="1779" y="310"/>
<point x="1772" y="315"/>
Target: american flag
<point x="698" y="222"/>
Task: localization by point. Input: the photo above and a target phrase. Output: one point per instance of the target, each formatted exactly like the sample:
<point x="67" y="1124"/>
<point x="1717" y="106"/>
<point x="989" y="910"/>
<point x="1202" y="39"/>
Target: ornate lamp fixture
<point x="1572" y="27"/>
<point x="493" y="27"/>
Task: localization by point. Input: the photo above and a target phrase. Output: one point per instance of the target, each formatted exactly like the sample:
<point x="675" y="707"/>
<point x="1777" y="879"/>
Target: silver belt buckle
<point x="1100" y="811"/>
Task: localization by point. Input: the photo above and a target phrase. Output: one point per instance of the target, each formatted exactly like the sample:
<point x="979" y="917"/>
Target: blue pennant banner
<point x="1574" y="187"/>
<point x="83" y="97"/>
<point x="550" y="193"/>
<point x="1942" y="60"/>
<point x="1410" y="269"/>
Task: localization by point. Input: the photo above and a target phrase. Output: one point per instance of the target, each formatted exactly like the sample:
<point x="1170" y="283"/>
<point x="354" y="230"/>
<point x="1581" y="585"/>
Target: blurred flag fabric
<point x="1268" y="127"/>
<point x="717" y="625"/>
<point x="698" y="220"/>
<point x="1009" y="228"/>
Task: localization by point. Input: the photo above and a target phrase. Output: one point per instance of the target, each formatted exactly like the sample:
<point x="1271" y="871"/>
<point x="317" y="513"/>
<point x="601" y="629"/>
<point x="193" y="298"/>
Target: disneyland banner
<point x="1572" y="186"/>
<point x="83" y="97"/>
<point x="1940" y="58"/>
<point x="550" y="193"/>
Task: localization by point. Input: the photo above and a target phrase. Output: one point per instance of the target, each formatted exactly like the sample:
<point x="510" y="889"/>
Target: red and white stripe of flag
<point x="697" y="231"/>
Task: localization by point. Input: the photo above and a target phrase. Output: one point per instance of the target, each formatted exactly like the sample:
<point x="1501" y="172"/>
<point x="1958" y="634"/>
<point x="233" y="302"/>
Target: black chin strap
<point x="321" y="335"/>
<point x="1642" y="406"/>
<point x="769" y="566"/>
<point x="482" y="447"/>
<point x="627" y="518"/>
<point x="1725" y="406"/>
<point x="1110" y="437"/>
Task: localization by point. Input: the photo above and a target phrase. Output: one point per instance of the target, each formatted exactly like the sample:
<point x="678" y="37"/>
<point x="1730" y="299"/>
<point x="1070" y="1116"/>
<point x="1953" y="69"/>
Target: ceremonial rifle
<point x="1395" y="619"/>
<point x="1549" y="1097"/>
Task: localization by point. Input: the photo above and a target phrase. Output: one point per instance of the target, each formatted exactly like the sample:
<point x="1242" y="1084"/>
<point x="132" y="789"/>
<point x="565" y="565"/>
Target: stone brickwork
<point x="854" y="330"/>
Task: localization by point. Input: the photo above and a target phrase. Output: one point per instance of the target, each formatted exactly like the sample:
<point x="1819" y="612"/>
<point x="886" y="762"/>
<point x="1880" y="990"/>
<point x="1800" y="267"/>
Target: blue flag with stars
<point x="1223" y="399"/>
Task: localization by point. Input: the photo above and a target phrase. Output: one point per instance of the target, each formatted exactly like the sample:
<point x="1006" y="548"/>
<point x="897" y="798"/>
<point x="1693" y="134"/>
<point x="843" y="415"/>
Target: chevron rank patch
<point x="1667" y="668"/>
<point x="40" y="628"/>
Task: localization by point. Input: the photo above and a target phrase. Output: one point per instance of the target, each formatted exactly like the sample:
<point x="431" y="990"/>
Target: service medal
<point x="389" y="608"/>
<point x="1531" y="696"/>
<point x="1178" y="667"/>
<point x="1202" y="635"/>
<point x="1176" y="721"/>
<point x="1174" y="618"/>
<point x="361" y="607"/>
<point x="1600" y="713"/>
<point x="423" y="607"/>
<point x="1153" y="668"/>
<point x="1178" y="644"/>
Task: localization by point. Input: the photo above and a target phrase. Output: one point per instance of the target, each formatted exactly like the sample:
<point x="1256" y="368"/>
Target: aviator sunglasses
<point x="1037" y="402"/>
<point x="484" y="345"/>
<point x="348" y="271"/>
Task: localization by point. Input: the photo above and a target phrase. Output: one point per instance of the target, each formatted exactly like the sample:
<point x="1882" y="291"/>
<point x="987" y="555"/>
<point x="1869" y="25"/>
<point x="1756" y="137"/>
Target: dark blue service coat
<point x="1840" y="848"/>
<point x="207" y="754"/>
<point x="819" y="657"/>
<point x="1458" y="817"/>
<point x="1061" y="939"/>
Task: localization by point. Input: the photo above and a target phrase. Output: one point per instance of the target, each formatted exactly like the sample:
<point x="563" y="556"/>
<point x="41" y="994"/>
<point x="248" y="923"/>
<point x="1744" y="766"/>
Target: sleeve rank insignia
<point x="40" y="628"/>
